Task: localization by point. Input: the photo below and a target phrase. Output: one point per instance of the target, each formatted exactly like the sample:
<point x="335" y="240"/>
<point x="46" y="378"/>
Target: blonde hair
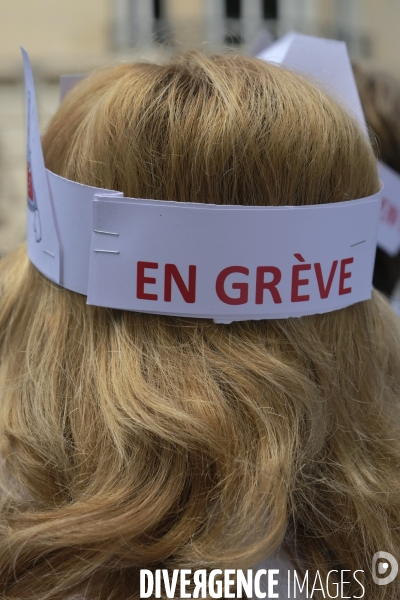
<point x="140" y="441"/>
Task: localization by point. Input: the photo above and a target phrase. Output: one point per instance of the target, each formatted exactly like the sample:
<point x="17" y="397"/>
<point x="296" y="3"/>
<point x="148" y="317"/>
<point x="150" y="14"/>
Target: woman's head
<point x="144" y="441"/>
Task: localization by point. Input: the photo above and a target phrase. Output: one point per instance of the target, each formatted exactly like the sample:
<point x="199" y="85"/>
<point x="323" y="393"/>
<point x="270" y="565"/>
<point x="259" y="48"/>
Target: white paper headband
<point x="227" y="263"/>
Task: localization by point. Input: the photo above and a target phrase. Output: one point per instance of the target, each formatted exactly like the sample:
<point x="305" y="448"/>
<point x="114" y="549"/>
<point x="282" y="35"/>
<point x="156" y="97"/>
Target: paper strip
<point x="231" y="263"/>
<point x="73" y="209"/>
<point x="44" y="248"/>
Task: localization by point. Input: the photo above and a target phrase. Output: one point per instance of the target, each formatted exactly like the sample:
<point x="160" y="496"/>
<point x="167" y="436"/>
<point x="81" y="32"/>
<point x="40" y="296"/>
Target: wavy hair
<point x="138" y="441"/>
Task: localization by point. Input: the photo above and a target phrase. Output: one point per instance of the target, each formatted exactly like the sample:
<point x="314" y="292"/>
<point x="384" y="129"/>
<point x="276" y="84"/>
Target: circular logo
<point x="384" y="568"/>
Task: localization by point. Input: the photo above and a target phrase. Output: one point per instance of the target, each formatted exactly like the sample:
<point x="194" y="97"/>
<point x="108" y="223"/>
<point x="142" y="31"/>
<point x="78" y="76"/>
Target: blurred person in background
<point x="380" y="96"/>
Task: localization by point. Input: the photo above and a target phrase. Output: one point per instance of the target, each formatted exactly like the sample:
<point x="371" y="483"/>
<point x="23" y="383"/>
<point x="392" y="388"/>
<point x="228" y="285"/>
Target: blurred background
<point x="74" y="36"/>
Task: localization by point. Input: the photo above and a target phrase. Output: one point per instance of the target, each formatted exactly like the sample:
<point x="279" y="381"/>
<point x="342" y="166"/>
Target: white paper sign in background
<point x="389" y="227"/>
<point x="325" y="62"/>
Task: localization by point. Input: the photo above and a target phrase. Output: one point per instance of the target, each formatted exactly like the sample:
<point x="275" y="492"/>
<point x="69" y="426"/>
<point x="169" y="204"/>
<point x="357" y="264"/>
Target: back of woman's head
<point x="137" y="441"/>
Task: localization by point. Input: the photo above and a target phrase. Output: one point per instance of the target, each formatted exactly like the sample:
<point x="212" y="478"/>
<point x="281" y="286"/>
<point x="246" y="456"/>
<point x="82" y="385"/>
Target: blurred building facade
<point x="84" y="32"/>
<point x="368" y="26"/>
